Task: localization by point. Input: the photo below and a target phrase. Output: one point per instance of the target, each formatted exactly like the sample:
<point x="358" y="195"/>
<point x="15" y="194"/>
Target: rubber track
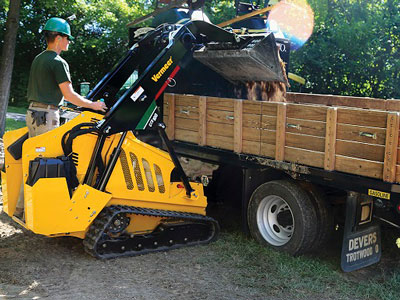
<point x="98" y="228"/>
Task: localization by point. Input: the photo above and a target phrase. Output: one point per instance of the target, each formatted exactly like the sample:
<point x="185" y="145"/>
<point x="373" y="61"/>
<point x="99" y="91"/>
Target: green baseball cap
<point x="58" y="25"/>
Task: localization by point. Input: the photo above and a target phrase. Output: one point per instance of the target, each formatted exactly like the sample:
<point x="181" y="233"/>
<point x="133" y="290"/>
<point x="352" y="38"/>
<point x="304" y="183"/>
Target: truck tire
<point x="325" y="223"/>
<point x="281" y="215"/>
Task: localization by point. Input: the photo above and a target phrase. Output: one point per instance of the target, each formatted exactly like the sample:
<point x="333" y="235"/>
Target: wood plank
<point x="187" y="100"/>
<point x="360" y="150"/>
<point x="171" y="117"/>
<point x="307" y="112"/>
<point x="187" y="124"/>
<point x="202" y="121"/>
<point x="280" y="132"/>
<point x="268" y="122"/>
<point x="221" y="142"/>
<point x="168" y="96"/>
<point x="186" y="135"/>
<point x="238" y="127"/>
<point x="252" y="120"/>
<point x="267" y="150"/>
<point x="251" y="147"/>
<point x="360" y="102"/>
<point x="397" y="173"/>
<point x="187" y="112"/>
<point x="303" y="141"/>
<point x="220" y="103"/>
<point x="359" y="166"/>
<point x="252" y="134"/>
<point x="269" y="108"/>
<point x="330" y="139"/>
<point x="392" y="139"/>
<point x="251" y="107"/>
<point x="393" y="105"/>
<point x="315" y="128"/>
<point x="398" y="155"/>
<point x="371" y="118"/>
<point x="268" y="136"/>
<point x="363" y="134"/>
<point x="304" y="157"/>
<point x="220" y="116"/>
<point x="220" y="129"/>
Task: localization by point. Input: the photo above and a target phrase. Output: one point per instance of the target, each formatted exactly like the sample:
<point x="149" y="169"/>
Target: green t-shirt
<point x="48" y="70"/>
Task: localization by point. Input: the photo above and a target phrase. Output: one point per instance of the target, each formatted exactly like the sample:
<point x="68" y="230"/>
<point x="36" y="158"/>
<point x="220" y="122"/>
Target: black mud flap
<point x="362" y="238"/>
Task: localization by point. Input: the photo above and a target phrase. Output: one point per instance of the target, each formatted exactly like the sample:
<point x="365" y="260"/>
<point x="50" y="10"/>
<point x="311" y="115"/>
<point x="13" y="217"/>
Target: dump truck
<point x="305" y="165"/>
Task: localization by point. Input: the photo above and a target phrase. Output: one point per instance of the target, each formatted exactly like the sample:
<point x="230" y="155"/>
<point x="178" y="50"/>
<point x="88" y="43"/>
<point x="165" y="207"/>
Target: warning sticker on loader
<point x="361" y="248"/>
<point x="137" y="93"/>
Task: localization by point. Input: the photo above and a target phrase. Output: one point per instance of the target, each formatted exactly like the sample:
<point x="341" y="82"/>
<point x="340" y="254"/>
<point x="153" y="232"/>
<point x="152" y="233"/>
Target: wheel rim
<point x="275" y="220"/>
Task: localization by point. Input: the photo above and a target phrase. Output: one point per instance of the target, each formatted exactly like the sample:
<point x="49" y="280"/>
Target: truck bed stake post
<point x="175" y="160"/>
<point x="110" y="166"/>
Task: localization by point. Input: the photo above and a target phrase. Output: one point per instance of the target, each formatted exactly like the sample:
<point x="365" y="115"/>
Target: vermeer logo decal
<point x="157" y="76"/>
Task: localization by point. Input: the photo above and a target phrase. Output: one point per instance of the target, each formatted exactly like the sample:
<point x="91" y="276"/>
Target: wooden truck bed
<point x="347" y="134"/>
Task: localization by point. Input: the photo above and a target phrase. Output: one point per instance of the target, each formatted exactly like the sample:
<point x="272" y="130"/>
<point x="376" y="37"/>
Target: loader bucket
<point x="255" y="60"/>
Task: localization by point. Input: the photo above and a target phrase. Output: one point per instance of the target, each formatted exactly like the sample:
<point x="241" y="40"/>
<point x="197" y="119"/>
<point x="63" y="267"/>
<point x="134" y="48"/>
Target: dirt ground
<point x="34" y="267"/>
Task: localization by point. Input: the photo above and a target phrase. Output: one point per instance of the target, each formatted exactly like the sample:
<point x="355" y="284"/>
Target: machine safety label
<point x="137" y="93"/>
<point x="40" y="149"/>
<point x="379" y="194"/>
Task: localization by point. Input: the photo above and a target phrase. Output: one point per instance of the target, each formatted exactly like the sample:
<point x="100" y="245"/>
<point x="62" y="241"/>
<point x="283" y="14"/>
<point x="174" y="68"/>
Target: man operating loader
<point x="49" y="84"/>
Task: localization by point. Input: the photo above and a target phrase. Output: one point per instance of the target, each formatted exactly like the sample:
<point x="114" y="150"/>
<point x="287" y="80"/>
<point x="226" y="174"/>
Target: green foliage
<point x="354" y="49"/>
<point x="100" y="32"/>
<point x="12" y="124"/>
<point x="17" y="109"/>
<point x="220" y="10"/>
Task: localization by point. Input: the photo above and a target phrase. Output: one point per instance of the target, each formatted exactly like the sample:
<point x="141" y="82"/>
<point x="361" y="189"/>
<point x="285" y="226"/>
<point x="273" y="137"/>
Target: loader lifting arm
<point x="158" y="57"/>
<point x="161" y="54"/>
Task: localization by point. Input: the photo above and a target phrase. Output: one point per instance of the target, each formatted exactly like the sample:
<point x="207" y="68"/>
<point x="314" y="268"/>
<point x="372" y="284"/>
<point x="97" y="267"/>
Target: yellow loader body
<point x="141" y="178"/>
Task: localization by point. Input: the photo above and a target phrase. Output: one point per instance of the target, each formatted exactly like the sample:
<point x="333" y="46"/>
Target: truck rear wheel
<point x="324" y="216"/>
<point x="282" y="215"/>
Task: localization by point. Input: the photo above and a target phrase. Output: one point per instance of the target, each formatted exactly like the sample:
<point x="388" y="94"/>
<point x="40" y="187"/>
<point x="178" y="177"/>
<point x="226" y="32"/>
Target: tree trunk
<point x="7" y="59"/>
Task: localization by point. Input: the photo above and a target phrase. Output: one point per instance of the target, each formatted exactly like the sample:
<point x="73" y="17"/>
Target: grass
<point x="17" y="109"/>
<point x="268" y="274"/>
<point x="12" y="124"/>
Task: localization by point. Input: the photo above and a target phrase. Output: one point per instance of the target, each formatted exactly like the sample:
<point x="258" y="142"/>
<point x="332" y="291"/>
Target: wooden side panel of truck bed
<point x="347" y="134"/>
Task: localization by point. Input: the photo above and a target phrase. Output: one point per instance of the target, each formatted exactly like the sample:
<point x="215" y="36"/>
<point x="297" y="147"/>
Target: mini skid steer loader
<point x="91" y="178"/>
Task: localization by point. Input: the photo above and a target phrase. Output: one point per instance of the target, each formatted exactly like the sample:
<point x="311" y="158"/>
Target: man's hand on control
<point x="98" y="105"/>
<point x="76" y="99"/>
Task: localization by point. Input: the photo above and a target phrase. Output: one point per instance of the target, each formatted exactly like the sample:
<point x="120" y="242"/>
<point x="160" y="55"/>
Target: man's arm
<point x="73" y="97"/>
